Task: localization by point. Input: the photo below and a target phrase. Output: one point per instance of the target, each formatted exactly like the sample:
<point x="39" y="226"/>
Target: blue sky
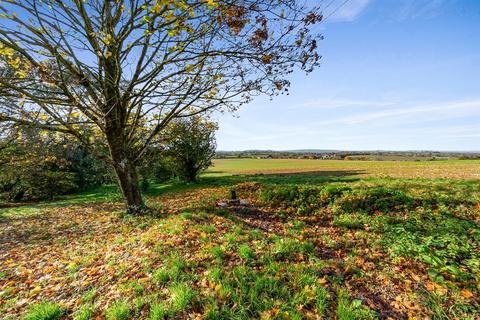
<point x="395" y="75"/>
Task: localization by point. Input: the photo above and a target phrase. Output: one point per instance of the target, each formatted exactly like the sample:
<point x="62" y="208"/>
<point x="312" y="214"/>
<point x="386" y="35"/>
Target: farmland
<point x="450" y="169"/>
<point x="311" y="240"/>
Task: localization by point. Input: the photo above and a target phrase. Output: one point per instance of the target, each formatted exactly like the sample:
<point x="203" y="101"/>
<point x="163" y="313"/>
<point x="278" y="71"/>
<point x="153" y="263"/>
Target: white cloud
<point x="334" y="103"/>
<point x="390" y="124"/>
<point x="344" y="10"/>
<point x="420" y="112"/>
<point x="414" y="9"/>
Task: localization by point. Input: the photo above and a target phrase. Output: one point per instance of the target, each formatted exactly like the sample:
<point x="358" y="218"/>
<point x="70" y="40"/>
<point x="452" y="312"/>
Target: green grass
<point x="118" y="311"/>
<point x="348" y="309"/>
<point x="324" y="245"/>
<point x="181" y="296"/>
<point x="85" y="312"/>
<point x="44" y="311"/>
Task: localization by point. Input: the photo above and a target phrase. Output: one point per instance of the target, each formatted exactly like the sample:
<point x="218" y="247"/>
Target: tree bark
<point x="127" y="176"/>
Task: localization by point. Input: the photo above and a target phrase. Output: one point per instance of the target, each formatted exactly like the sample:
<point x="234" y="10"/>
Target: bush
<point x="305" y="200"/>
<point x="372" y="200"/>
<point x="331" y="192"/>
<point x="42" y="178"/>
<point x="161" y="172"/>
<point x="284" y="196"/>
<point x="37" y="166"/>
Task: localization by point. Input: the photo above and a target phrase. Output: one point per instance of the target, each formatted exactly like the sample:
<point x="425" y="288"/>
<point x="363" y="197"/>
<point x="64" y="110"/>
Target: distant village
<point x="350" y="155"/>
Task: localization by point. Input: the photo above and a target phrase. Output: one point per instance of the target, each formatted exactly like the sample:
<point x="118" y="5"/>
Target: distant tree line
<point x="39" y="165"/>
<point x="350" y="155"/>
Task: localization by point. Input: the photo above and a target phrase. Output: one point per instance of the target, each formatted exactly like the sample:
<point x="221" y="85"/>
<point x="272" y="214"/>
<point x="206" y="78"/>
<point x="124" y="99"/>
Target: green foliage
<point x="88" y="170"/>
<point x="352" y="309"/>
<point x="350" y="220"/>
<point x="191" y="147"/>
<point x="172" y="271"/>
<point x="449" y="245"/>
<point x="154" y="166"/>
<point x="163" y="275"/>
<point x="44" y="311"/>
<point x="308" y="200"/>
<point x="38" y="166"/>
<point x="218" y="253"/>
<point x="321" y="300"/>
<point x="372" y="200"/>
<point x="271" y="290"/>
<point x="33" y="174"/>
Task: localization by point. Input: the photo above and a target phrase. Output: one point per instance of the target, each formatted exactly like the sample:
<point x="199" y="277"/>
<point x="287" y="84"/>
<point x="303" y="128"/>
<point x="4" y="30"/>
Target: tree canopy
<point x="114" y="74"/>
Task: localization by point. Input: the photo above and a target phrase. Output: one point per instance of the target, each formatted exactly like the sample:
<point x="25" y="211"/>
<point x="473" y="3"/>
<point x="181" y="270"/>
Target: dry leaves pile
<point x="60" y="254"/>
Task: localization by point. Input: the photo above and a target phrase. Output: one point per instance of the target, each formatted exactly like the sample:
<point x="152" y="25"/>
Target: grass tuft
<point x="118" y="311"/>
<point x="44" y="311"/>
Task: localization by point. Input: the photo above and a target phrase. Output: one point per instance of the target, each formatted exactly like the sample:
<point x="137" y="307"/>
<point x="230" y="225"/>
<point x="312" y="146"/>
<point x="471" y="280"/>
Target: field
<point x="311" y="240"/>
<point x="450" y="169"/>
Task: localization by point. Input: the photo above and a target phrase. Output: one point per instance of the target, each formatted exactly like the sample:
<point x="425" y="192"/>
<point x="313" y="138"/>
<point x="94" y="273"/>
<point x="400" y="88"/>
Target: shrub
<point x="330" y="193"/>
<point x="37" y="166"/>
<point x="372" y="200"/>
<point x="280" y="196"/>
<point x="305" y="200"/>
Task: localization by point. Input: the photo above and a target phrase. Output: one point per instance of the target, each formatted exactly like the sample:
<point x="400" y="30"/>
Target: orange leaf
<point x="466" y="293"/>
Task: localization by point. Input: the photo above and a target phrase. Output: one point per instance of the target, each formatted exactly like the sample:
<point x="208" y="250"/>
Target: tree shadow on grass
<point x="110" y="193"/>
<point x="310" y="178"/>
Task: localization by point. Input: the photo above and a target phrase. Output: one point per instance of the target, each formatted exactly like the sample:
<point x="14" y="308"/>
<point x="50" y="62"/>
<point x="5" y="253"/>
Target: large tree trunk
<point x="128" y="182"/>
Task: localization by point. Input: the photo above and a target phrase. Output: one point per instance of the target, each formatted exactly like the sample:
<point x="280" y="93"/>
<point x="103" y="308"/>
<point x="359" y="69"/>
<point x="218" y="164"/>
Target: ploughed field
<point x="310" y="240"/>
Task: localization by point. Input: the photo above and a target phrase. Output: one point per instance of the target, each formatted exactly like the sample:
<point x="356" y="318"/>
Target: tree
<point x="191" y="148"/>
<point x="37" y="164"/>
<point x="113" y="74"/>
<point x="31" y="168"/>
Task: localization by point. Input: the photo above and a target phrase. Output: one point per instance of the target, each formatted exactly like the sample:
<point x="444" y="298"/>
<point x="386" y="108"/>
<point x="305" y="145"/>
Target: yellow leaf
<point x="37" y="289"/>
